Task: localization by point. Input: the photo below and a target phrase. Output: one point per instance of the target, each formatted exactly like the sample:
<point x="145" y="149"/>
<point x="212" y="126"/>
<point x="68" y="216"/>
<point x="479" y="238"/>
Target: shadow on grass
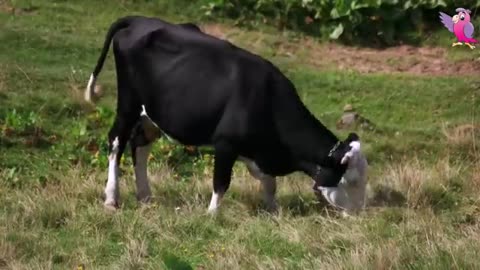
<point x="291" y="204"/>
<point x="29" y="137"/>
<point x="296" y="205"/>
<point x="26" y="142"/>
<point x="385" y="196"/>
<point x="300" y="206"/>
<point x="169" y="197"/>
<point x="6" y="142"/>
<point x="173" y="262"/>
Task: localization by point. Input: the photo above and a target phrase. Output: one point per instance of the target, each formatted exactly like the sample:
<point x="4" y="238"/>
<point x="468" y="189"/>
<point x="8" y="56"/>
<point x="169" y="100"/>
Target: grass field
<point x="424" y="179"/>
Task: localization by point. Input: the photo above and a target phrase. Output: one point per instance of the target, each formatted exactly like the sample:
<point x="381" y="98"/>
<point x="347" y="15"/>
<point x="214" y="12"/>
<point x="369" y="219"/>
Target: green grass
<point x="424" y="183"/>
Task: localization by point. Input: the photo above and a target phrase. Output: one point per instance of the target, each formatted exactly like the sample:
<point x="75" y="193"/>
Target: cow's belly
<point x="186" y="107"/>
<point x="270" y="157"/>
<point x="186" y="127"/>
<point x="275" y="167"/>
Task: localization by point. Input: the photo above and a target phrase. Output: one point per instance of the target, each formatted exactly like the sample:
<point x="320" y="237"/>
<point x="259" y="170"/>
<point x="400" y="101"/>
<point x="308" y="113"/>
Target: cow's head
<point x="335" y="165"/>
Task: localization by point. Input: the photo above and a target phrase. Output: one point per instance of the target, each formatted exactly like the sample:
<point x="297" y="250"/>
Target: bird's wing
<point x="468" y="30"/>
<point x="446" y="21"/>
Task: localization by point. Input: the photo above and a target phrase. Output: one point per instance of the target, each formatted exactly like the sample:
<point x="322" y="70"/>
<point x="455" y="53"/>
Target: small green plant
<point x="10" y="177"/>
<point x="13" y="119"/>
<point x="184" y="162"/>
<point x="19" y="123"/>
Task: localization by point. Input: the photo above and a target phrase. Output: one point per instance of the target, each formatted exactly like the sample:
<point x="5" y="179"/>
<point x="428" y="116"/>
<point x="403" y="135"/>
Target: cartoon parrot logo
<point x="461" y="26"/>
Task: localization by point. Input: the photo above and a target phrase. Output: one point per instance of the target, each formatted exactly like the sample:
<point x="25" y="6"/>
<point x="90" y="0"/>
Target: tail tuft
<point x="90" y="90"/>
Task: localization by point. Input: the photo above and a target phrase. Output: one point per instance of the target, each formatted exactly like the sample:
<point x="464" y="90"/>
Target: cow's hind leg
<point x="269" y="184"/>
<point x="225" y="157"/>
<point x="111" y="190"/>
<point x="128" y="113"/>
<point x="117" y="139"/>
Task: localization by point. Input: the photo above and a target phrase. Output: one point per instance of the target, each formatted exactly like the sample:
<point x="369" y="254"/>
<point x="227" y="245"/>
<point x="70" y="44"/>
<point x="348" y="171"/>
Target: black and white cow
<point x="200" y="90"/>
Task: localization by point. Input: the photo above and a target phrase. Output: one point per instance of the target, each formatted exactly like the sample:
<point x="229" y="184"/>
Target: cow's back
<point x="139" y="26"/>
<point x="206" y="84"/>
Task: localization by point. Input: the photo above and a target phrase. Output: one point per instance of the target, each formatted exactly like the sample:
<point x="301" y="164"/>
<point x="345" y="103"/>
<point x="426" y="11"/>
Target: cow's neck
<point x="303" y="134"/>
<point x="313" y="139"/>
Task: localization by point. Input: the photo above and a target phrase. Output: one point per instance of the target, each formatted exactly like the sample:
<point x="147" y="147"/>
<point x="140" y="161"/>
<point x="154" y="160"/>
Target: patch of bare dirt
<point x="216" y="30"/>
<point x="401" y="59"/>
<point x="5" y="6"/>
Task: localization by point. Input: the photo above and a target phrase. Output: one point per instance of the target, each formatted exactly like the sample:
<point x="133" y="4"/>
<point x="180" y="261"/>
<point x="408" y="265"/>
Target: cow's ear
<point x="352" y="136"/>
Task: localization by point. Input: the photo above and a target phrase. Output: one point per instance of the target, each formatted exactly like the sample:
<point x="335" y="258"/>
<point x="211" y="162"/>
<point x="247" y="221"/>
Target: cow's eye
<point x="462" y="17"/>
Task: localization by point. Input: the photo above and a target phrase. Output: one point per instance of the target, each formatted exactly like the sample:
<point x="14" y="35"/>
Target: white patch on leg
<point x="214" y="202"/>
<point x="90" y="88"/>
<point x="269" y="183"/>
<point x="112" y="193"/>
<point x="143" y="187"/>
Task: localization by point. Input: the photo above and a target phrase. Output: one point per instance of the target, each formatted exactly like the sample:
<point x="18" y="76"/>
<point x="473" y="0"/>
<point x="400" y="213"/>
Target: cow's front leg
<point x="140" y="162"/>
<point x="269" y="184"/>
<point x="225" y="157"/>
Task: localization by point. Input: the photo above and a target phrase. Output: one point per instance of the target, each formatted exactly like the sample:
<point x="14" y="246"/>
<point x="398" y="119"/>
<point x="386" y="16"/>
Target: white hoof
<point x="212" y="211"/>
<point x="214" y="203"/>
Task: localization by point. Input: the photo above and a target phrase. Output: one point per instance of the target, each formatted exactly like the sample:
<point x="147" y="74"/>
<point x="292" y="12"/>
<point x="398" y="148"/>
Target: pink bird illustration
<point x="461" y="26"/>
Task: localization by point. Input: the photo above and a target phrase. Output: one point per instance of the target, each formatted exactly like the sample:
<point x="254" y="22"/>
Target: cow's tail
<point x="114" y="28"/>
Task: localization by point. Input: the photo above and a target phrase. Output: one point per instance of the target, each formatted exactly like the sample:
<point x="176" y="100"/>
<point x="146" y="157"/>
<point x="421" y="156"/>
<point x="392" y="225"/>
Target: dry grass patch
<point x="135" y="252"/>
<point x="7" y="252"/>
<point x="462" y="135"/>
<point x="174" y="230"/>
<point x="476" y="175"/>
<point x="421" y="184"/>
<point x="6" y="6"/>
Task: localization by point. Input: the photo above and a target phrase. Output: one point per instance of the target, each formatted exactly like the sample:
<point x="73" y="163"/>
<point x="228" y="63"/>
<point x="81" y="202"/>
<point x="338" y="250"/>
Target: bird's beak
<point x="455" y="19"/>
